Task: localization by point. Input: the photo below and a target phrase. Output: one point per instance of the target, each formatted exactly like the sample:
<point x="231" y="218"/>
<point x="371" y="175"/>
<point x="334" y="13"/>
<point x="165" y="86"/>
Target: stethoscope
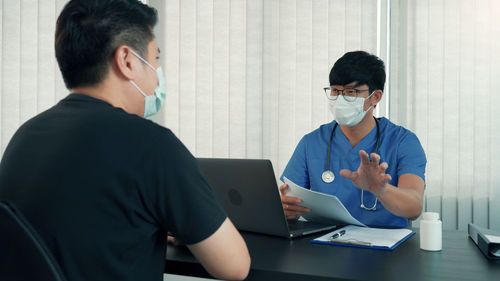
<point x="328" y="175"/>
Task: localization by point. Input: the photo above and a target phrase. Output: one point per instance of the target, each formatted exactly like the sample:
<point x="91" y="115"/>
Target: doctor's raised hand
<point x="291" y="204"/>
<point x="370" y="175"/>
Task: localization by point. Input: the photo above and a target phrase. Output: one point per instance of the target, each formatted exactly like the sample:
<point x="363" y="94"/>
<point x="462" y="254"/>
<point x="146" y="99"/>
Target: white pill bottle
<point x="430" y="232"/>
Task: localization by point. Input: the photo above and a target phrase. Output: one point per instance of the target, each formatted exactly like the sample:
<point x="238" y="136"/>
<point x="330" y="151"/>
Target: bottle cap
<point x="431" y="216"/>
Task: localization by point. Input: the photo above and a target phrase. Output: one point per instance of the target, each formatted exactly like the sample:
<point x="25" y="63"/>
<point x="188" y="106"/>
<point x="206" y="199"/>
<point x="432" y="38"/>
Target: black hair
<point x="360" y="67"/>
<point x="88" y="32"/>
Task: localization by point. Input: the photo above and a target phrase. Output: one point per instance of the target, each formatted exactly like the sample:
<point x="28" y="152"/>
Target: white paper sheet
<point x="494" y="249"/>
<point x="493" y="238"/>
<point x="324" y="207"/>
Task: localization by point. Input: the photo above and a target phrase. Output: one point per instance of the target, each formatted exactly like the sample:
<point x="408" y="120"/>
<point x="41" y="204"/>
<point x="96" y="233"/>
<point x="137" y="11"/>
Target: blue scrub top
<point x="399" y="147"/>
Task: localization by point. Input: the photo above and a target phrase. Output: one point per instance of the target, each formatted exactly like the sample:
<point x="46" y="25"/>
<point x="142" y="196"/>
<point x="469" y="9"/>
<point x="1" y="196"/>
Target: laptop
<point x="248" y="192"/>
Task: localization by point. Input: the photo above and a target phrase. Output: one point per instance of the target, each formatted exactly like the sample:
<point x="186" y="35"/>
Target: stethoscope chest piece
<point x="327" y="176"/>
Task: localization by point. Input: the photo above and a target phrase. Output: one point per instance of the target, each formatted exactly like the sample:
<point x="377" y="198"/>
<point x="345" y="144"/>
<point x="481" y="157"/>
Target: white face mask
<point x="348" y="113"/>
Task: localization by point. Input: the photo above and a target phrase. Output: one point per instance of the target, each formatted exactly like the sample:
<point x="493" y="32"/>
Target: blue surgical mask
<point x="153" y="103"/>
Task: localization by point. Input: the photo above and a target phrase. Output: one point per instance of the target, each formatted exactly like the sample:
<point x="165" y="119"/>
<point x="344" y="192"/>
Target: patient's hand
<point x="172" y="240"/>
<point x="291" y="204"/>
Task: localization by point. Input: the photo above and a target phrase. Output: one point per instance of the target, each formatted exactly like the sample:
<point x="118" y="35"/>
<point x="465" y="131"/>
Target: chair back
<point x="23" y="254"/>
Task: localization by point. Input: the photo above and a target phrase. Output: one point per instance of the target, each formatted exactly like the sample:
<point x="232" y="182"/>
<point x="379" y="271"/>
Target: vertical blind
<point x="445" y="79"/>
<point x="245" y="78"/>
<point x="30" y="81"/>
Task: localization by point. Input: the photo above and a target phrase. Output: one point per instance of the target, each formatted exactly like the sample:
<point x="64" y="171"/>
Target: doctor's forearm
<point x="401" y="202"/>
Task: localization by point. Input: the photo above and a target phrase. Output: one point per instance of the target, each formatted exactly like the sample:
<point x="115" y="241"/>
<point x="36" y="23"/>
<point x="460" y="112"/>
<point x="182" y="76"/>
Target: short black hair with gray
<point x="88" y="32"/>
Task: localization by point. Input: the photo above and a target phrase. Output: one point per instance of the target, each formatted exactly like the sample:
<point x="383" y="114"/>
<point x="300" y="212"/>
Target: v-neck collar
<point x="365" y="143"/>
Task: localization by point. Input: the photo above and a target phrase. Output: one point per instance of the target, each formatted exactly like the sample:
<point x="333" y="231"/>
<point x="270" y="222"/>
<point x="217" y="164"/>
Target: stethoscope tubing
<point x="328" y="176"/>
<point x="331" y="141"/>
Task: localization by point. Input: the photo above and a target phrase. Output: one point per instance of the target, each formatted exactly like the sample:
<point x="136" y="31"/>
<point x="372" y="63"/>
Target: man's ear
<point x="124" y="62"/>
<point x="376" y="97"/>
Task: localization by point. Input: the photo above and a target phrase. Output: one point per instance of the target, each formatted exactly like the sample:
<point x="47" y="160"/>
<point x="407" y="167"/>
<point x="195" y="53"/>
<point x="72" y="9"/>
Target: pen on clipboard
<point x="337" y="235"/>
<point x="352" y="242"/>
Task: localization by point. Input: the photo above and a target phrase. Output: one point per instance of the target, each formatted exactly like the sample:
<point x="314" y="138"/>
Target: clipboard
<point x="366" y="237"/>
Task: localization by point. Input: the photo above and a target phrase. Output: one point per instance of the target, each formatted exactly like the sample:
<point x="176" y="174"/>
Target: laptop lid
<point x="248" y="192"/>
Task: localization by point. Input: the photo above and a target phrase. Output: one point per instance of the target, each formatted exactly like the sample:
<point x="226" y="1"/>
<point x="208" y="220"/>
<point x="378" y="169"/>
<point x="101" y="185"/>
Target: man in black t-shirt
<point x="101" y="184"/>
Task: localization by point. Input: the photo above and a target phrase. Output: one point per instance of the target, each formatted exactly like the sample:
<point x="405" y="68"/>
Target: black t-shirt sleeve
<point x="183" y="201"/>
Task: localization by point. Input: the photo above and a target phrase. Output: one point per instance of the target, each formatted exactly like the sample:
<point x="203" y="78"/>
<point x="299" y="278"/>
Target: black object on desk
<point x="480" y="236"/>
<point x="253" y="202"/>
<point x="275" y="258"/>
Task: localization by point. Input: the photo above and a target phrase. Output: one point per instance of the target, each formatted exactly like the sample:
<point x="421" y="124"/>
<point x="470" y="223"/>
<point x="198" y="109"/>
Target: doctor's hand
<point x="370" y="175"/>
<point x="291" y="204"/>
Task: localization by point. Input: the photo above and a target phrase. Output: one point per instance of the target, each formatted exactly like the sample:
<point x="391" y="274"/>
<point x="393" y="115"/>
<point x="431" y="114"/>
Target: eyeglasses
<point x="348" y="94"/>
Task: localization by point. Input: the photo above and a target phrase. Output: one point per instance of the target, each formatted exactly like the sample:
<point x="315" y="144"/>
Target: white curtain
<point x="445" y="80"/>
<point x="30" y="81"/>
<point x="245" y="77"/>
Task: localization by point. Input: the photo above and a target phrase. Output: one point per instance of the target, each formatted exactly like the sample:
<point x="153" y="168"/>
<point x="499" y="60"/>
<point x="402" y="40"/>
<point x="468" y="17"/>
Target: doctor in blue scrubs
<point x="376" y="168"/>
